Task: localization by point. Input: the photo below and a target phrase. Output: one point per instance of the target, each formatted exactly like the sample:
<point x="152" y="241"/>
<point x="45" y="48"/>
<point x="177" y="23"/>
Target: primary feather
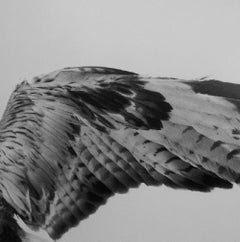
<point x="72" y="138"/>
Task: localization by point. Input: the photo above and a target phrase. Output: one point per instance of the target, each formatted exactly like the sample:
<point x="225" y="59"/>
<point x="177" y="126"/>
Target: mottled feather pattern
<point x="73" y="138"/>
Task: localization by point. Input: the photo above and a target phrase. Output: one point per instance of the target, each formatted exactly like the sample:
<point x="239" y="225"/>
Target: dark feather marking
<point x="188" y="169"/>
<point x="50" y="108"/>
<point x="48" y="80"/>
<point x="216" y="88"/>
<point x="16" y="142"/>
<point x="159" y="150"/>
<point x="204" y="159"/>
<point x="24" y="134"/>
<point x="100" y="128"/>
<point x="85" y="111"/>
<point x="75" y="128"/>
<point x="229" y="91"/>
<point x="105" y="122"/>
<point x="216" y="144"/>
<point x="71" y="151"/>
<point x="70" y="136"/>
<point x="133" y="120"/>
<point x="189" y="128"/>
<point x="231" y="154"/>
<point x="37" y="79"/>
<point x="108" y="98"/>
<point x="222" y="170"/>
<point x="146" y="142"/>
<point x="102" y="99"/>
<point x="235" y="131"/>
<point x="200" y="137"/>
<point x="170" y="160"/>
<point x="168" y="172"/>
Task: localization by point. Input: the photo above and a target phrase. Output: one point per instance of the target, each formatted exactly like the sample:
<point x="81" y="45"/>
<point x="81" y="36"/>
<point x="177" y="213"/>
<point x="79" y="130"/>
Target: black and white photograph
<point x="120" y="121"/>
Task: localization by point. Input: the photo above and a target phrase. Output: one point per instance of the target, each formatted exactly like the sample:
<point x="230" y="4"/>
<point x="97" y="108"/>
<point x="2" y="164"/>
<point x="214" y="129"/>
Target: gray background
<point x="186" y="39"/>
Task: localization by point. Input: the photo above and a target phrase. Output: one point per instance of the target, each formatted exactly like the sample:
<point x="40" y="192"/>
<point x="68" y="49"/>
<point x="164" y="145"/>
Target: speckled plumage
<point x="72" y="138"/>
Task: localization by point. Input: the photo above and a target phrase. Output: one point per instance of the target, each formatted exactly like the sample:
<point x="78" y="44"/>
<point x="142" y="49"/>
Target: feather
<point x="73" y="138"/>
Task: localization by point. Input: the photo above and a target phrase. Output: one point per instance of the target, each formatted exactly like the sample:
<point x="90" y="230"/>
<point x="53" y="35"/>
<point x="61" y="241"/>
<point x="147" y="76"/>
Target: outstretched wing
<point x="74" y="137"/>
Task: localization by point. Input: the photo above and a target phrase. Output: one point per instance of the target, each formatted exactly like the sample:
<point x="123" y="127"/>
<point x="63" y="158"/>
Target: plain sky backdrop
<point x="187" y="39"/>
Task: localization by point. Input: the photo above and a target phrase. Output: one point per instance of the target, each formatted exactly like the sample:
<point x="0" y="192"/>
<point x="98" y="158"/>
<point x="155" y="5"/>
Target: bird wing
<point x="73" y="138"/>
